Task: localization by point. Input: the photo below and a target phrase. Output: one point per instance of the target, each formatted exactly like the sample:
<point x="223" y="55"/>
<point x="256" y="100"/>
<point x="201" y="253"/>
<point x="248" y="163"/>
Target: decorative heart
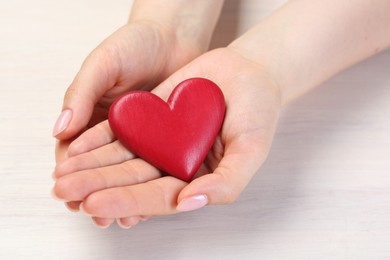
<point x="175" y="136"/>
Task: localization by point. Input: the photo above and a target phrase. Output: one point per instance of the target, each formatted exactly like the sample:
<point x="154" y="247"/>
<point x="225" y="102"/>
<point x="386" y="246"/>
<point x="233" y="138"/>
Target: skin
<point x="78" y="176"/>
<point x="274" y="62"/>
<point x="140" y="55"/>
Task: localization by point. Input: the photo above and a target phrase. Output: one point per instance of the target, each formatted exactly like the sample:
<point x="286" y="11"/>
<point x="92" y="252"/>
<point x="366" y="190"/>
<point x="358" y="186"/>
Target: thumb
<point x="241" y="161"/>
<point x="89" y="85"/>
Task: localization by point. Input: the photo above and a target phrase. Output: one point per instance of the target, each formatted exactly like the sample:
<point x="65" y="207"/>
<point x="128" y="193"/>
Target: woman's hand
<point x="113" y="184"/>
<point x="156" y="42"/>
<point x="159" y="38"/>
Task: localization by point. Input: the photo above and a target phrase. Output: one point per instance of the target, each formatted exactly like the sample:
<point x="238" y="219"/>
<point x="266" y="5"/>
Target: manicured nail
<point x="99" y="225"/>
<point x="120" y="224"/>
<point x="54" y="176"/>
<point x="62" y="122"/>
<point x="70" y="208"/>
<point x="145" y="218"/>
<point x="54" y="196"/>
<point x="82" y="209"/>
<point x="192" y="203"/>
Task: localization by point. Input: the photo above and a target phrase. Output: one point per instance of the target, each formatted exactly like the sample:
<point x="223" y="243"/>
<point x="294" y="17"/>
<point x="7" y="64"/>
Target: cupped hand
<point x="140" y="55"/>
<point x="112" y="183"/>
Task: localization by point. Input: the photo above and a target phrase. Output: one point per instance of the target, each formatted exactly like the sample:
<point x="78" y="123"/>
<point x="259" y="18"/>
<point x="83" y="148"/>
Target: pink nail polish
<point x="82" y="209"/>
<point x="192" y="203"/>
<point x="54" y="195"/>
<point x="120" y="224"/>
<point x="62" y="122"/>
<point x="145" y="218"/>
<point x="54" y="176"/>
<point x="100" y="225"/>
<point x="70" y="208"/>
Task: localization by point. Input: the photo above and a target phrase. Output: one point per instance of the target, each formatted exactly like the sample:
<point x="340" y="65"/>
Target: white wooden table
<point x="324" y="192"/>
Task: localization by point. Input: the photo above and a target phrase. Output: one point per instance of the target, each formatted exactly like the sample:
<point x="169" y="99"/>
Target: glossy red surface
<point x="175" y="136"/>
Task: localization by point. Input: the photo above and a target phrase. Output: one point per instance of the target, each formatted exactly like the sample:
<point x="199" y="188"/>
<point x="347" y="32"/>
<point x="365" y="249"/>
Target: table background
<point x="324" y="192"/>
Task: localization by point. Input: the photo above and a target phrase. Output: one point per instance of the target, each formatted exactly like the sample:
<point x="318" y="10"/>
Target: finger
<point x="93" y="138"/>
<point x="78" y="185"/>
<point x="98" y="73"/>
<point x="61" y="150"/>
<point x="156" y="197"/>
<point x="145" y="218"/>
<point x="73" y="206"/>
<point x="102" y="134"/>
<point x="103" y="222"/>
<point x="238" y="165"/>
<point x="113" y="153"/>
<point x="128" y="222"/>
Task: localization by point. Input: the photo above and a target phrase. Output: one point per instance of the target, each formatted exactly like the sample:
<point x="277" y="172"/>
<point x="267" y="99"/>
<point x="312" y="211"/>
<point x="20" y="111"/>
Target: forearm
<point x="308" y="41"/>
<point x="192" y="20"/>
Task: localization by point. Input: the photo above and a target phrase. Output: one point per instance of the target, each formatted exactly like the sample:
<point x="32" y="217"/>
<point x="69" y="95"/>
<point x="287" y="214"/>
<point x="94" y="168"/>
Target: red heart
<point x="174" y="136"/>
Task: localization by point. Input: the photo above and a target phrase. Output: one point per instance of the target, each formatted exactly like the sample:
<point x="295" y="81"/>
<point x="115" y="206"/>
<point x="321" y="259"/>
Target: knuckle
<point x="230" y="191"/>
<point x="71" y="93"/>
<point x="103" y="52"/>
<point x="60" y="189"/>
<point x="230" y="197"/>
<point x="104" y="57"/>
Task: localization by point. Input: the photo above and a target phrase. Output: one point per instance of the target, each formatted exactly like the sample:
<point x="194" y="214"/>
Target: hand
<point x="138" y="56"/>
<point x="134" y="57"/>
<point x="159" y="38"/>
<point x="112" y="183"/>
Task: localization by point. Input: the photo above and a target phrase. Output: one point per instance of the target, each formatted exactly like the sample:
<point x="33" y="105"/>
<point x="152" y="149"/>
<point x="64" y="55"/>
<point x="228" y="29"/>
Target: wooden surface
<point x="324" y="192"/>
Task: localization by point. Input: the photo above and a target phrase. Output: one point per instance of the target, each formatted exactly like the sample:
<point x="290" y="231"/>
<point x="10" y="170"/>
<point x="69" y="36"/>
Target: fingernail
<point x="120" y="224"/>
<point x="54" y="176"/>
<point x="144" y="218"/>
<point x="82" y="209"/>
<point x="192" y="203"/>
<point x="70" y="208"/>
<point x="62" y="122"/>
<point x="100" y="225"/>
<point x="54" y="196"/>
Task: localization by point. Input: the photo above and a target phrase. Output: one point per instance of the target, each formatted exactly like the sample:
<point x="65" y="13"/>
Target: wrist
<point x="267" y="58"/>
<point x="189" y="21"/>
<point x="262" y="46"/>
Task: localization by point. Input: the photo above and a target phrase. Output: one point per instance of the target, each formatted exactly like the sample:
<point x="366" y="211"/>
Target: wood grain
<point x="324" y="192"/>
